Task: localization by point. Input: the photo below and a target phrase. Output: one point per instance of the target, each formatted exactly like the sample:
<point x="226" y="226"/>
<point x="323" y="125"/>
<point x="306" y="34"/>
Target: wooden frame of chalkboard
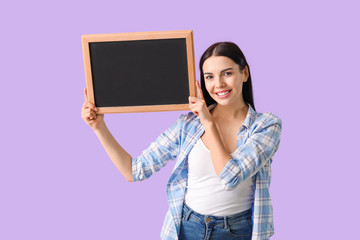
<point x="139" y="71"/>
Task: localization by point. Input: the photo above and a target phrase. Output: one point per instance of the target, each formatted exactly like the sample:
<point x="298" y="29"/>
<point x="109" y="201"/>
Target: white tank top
<point x="205" y="194"/>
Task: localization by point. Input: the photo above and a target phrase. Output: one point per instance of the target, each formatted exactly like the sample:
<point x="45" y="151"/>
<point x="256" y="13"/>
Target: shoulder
<point x="190" y="117"/>
<point x="186" y="119"/>
<point x="267" y="119"/>
<point x="189" y="122"/>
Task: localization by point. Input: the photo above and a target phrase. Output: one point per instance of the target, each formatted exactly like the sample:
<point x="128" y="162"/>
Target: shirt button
<point x="207" y="219"/>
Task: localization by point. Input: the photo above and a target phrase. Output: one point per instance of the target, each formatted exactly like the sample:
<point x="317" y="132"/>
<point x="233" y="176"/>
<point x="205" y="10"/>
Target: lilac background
<point x="57" y="181"/>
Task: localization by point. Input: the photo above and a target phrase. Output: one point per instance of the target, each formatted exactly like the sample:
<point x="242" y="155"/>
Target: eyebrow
<point x="221" y="71"/>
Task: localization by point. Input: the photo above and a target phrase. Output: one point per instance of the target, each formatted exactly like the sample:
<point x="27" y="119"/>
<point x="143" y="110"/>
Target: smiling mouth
<point x="221" y="94"/>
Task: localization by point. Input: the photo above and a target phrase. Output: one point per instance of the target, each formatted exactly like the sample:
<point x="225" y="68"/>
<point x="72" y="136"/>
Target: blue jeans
<point x="195" y="226"/>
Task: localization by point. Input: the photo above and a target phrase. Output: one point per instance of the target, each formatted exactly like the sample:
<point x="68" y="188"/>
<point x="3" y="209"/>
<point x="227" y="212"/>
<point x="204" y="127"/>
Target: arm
<point x="120" y="158"/>
<point x="219" y="156"/>
<point x="246" y="161"/>
<point x="250" y="157"/>
<point x="118" y="155"/>
<point x="163" y="149"/>
<point x="218" y="153"/>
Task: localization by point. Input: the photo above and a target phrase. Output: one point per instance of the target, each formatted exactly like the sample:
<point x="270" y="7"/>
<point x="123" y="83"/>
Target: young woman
<point x="219" y="188"/>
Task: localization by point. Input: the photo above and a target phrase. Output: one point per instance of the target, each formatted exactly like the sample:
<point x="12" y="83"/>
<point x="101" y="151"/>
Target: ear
<point x="246" y="73"/>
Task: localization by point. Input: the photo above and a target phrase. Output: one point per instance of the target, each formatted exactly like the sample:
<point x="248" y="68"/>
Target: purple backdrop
<point x="57" y="181"/>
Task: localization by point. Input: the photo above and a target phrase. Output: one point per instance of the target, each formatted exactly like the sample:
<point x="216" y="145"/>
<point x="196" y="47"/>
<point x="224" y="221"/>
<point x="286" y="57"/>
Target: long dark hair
<point x="232" y="51"/>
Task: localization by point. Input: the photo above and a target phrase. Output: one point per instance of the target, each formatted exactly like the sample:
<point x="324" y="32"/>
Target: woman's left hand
<point x="198" y="106"/>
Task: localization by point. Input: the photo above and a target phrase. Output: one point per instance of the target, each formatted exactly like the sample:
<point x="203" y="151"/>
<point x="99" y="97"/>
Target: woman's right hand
<point x="88" y="114"/>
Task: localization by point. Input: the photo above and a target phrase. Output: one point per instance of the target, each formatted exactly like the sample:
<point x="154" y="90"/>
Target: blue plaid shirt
<point x="258" y="140"/>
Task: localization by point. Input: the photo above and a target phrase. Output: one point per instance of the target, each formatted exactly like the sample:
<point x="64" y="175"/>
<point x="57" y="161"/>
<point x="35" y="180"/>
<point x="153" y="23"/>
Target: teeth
<point x="223" y="93"/>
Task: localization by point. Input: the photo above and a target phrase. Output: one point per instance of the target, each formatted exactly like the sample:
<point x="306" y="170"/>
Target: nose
<point x="219" y="82"/>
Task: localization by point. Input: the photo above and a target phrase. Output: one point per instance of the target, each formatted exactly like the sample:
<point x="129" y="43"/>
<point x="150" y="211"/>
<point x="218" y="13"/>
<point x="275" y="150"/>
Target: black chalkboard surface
<point x="137" y="72"/>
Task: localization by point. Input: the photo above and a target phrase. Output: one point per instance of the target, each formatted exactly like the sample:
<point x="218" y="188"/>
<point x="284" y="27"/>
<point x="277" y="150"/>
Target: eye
<point x="227" y="73"/>
<point x="208" y="77"/>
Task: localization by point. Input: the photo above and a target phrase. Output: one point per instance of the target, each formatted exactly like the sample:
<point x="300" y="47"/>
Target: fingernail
<point x="95" y="109"/>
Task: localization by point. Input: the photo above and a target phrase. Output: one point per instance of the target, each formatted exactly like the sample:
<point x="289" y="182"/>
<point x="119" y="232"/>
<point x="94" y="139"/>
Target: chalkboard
<point x="139" y="72"/>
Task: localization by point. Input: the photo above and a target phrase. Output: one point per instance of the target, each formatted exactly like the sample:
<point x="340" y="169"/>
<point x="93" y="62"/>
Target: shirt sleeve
<point x="250" y="157"/>
<point x="163" y="149"/>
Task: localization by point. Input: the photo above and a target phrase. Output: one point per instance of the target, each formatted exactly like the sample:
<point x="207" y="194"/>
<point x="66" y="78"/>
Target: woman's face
<point x="223" y="80"/>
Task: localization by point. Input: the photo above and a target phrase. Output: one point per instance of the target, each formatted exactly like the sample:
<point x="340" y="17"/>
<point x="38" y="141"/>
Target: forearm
<point x="219" y="155"/>
<point x="120" y="158"/>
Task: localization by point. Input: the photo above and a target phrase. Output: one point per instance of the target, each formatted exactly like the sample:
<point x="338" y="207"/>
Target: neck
<point x="230" y="111"/>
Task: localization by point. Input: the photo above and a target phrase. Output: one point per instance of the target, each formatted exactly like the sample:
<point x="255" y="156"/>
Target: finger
<point x="199" y="91"/>
<point x="90" y="115"/>
<point x="93" y="115"/>
<point x="90" y="112"/>
<point x="88" y="103"/>
<point x="193" y="99"/>
<point x="194" y="110"/>
<point x="196" y="107"/>
<point x="191" y="106"/>
<point x="85" y="94"/>
<point x="92" y="106"/>
<point x="86" y="116"/>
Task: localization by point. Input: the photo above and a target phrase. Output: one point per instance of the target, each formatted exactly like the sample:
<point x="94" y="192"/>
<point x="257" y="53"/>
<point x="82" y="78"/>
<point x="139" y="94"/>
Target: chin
<point x="222" y="102"/>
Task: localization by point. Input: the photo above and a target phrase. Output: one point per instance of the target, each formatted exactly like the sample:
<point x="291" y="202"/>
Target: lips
<point x="223" y="94"/>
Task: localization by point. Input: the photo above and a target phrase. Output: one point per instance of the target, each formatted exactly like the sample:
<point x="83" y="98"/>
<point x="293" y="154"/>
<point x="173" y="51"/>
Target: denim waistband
<point x="187" y="212"/>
